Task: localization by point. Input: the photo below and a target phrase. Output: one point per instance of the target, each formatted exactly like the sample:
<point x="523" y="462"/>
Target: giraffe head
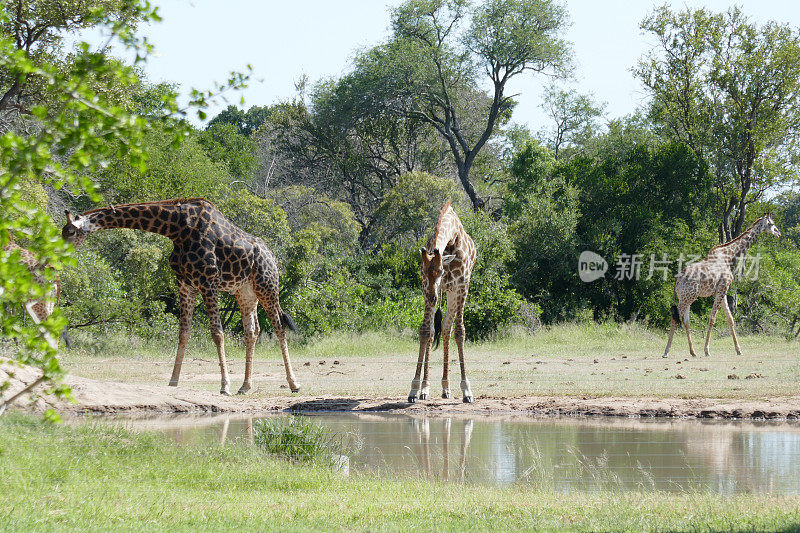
<point x="767" y="224"/>
<point x="432" y="268"/>
<point x="76" y="229"/>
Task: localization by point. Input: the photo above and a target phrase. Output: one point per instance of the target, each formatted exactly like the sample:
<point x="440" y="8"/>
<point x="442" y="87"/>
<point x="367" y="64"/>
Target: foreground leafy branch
<point x="64" y="121"/>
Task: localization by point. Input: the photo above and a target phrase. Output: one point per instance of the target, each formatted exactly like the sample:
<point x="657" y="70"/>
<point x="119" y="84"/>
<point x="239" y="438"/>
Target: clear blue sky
<point x="201" y="41"/>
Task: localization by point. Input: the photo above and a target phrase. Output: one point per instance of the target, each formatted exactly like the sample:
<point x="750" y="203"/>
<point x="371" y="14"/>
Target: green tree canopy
<point x="730" y="89"/>
<point x="440" y="54"/>
<point x="246" y="122"/>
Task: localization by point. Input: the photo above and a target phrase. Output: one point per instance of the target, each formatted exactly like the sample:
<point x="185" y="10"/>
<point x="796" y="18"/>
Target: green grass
<point x="579" y="359"/>
<point x="298" y="439"/>
<point x="93" y="477"/>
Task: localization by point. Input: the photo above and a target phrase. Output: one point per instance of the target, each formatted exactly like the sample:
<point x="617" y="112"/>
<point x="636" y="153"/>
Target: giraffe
<point x="446" y="264"/>
<point x="41" y="308"/>
<point x="713" y="276"/>
<point x="209" y="254"/>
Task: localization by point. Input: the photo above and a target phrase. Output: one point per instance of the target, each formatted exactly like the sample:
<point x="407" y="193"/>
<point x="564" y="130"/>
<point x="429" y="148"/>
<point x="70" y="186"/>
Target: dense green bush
<point x="492" y="302"/>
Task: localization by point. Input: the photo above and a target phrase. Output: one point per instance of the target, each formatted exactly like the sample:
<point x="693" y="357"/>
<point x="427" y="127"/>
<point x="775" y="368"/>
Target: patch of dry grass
<point x="565" y="360"/>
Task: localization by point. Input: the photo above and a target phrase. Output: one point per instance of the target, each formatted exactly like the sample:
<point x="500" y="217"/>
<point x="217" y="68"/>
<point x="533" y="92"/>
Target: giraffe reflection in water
<point x="424" y="449"/>
<point x="248" y="430"/>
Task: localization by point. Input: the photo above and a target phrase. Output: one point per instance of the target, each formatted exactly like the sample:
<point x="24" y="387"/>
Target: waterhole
<point x="562" y="454"/>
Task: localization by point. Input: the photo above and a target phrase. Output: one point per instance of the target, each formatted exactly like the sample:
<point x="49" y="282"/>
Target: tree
<point x="442" y="51"/>
<point x="730" y="90"/>
<point x="37" y="30"/>
<point x="66" y="146"/>
<point x="575" y="117"/>
<point x="246" y="122"/>
<point x="542" y="214"/>
<point x="224" y="143"/>
<point x="347" y="148"/>
<point x="411" y="208"/>
<point x="168" y="167"/>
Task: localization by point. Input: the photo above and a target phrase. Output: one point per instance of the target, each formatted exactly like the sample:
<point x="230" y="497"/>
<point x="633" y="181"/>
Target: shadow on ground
<point x="346" y="404"/>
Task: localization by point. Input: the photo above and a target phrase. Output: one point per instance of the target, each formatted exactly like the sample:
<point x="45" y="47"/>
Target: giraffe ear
<point x="447" y="259"/>
<point x="436" y="252"/>
<point x="69" y="216"/>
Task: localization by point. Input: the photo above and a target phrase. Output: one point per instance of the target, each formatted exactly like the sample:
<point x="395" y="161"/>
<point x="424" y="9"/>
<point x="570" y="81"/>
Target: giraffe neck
<point x="739" y="246"/>
<point x="166" y="219"/>
<point x="447" y="230"/>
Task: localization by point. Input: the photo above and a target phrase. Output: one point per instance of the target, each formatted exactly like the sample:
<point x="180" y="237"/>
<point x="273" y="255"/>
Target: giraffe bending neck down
<point x="446" y="265"/>
<point x="210" y="254"/>
<point x="713" y="277"/>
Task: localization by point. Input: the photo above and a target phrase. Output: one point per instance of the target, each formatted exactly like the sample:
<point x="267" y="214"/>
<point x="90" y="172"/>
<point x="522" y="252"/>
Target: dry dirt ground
<point x="107" y="397"/>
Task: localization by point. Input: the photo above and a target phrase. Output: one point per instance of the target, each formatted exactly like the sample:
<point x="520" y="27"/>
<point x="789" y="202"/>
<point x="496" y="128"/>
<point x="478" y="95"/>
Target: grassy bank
<point x="566" y="360"/>
<point x="93" y="477"/>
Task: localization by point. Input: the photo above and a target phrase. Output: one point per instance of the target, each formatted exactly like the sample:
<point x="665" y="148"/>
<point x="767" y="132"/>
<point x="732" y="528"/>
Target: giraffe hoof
<point x="446" y="394"/>
<point x="423" y="396"/>
<point x="225" y="392"/>
<point x="173" y="383"/>
<point x="412" y="399"/>
<point x="243" y="390"/>
<point x="296" y="389"/>
<point x="467" y="399"/>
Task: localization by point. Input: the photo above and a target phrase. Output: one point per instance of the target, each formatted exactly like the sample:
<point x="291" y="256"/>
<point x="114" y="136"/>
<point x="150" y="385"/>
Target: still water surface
<point x="562" y="454"/>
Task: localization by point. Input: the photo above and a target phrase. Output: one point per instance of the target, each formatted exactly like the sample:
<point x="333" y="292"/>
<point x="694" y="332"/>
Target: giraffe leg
<point x="466" y="436"/>
<point x="731" y="324"/>
<point x="425" y="389"/>
<point x="673" y="323"/>
<point x="276" y="319"/>
<point x="265" y="285"/>
<point x="426" y="449"/>
<point x="466" y="391"/>
<point x="446" y="448"/>
<point x="447" y="327"/>
<point x="247" y="305"/>
<point x="223" y="434"/>
<point x="255" y="322"/>
<point x="713" y="318"/>
<point x="212" y="307"/>
<point x="425" y="338"/>
<point x="187" y="295"/>
<point x="683" y="312"/>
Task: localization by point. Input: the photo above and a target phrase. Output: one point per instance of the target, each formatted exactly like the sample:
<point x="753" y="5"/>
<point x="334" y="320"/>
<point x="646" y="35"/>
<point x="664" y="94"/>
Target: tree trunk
<point x="463" y="175"/>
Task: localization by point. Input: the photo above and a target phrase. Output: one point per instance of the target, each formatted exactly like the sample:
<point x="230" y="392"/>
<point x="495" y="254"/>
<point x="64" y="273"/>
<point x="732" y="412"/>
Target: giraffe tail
<point x="288" y="322"/>
<point x="731" y="302"/>
<point x="675" y="316"/>
<point x="437" y="327"/>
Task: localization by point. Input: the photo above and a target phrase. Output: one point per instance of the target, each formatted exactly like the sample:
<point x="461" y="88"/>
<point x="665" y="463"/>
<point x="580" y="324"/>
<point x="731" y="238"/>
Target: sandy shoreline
<point x="108" y="397"/>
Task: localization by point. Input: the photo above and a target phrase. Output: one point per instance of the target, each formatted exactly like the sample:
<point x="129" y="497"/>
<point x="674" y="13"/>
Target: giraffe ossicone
<point x="713" y="277"/>
<point x="210" y="254"/>
<point x="446" y="268"/>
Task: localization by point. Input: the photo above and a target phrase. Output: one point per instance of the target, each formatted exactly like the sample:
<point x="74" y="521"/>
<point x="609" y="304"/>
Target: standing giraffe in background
<point x="42" y="308"/>
<point x="447" y="262"/>
<point x="210" y="254"/>
<point x="713" y="276"/>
